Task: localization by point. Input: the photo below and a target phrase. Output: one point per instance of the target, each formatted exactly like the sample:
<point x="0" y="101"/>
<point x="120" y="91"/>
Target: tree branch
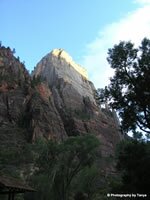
<point x="142" y="128"/>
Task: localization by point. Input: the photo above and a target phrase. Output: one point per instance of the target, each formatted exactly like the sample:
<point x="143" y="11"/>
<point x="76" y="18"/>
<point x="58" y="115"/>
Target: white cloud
<point x="134" y="26"/>
<point x="142" y="1"/>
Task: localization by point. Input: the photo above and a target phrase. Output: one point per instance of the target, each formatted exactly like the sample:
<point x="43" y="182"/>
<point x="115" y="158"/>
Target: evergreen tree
<point x="129" y="88"/>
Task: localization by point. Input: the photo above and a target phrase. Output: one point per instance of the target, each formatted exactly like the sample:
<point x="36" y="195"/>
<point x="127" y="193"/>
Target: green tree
<point x="13" y="51"/>
<point x="87" y="183"/>
<point x="133" y="161"/>
<point x="60" y="163"/>
<point x="36" y="80"/>
<point x="129" y="88"/>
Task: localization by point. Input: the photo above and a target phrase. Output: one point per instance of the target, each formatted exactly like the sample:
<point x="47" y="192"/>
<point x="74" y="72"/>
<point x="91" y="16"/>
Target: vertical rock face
<point x="26" y="106"/>
<point x="14" y="81"/>
<point x="74" y="99"/>
<point x="65" y="78"/>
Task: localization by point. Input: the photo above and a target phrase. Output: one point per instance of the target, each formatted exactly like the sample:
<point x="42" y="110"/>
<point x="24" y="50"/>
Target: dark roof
<point x="13" y="184"/>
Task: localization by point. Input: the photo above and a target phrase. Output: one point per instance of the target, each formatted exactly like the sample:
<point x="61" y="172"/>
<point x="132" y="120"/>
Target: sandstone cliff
<point x="63" y="74"/>
<point x="25" y="104"/>
<point x="74" y="99"/>
<point x="56" y="102"/>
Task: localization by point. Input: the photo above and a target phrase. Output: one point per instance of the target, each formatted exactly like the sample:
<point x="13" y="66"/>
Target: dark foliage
<point x="129" y="88"/>
<point x="133" y="161"/>
<point x="62" y="166"/>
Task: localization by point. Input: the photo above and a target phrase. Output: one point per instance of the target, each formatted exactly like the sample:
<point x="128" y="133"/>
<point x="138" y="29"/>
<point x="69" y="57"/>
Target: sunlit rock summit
<point x="62" y="54"/>
<point x="62" y="73"/>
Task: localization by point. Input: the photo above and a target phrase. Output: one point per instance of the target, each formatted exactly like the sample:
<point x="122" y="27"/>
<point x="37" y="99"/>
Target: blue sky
<point x="84" y="28"/>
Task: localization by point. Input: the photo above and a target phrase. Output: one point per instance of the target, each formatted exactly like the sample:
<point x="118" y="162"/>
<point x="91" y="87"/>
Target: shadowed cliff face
<point x="73" y="96"/>
<point x="26" y="105"/>
<point x="14" y="83"/>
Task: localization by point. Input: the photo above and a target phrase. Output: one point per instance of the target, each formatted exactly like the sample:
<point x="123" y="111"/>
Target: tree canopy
<point x="60" y="166"/>
<point x="129" y="89"/>
<point x="133" y="161"/>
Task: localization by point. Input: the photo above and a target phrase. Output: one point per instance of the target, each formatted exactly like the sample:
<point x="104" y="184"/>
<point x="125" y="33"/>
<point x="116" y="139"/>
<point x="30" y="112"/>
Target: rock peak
<point x="62" y="54"/>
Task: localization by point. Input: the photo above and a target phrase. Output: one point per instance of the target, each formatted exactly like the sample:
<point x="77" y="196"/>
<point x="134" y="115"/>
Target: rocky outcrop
<point x="14" y="83"/>
<point x="26" y="104"/>
<point x="65" y="78"/>
<point x="74" y="100"/>
<point x="43" y="119"/>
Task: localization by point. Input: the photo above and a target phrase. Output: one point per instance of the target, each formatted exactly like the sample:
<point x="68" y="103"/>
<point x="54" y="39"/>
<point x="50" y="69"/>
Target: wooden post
<point x="13" y="195"/>
<point x="9" y="196"/>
